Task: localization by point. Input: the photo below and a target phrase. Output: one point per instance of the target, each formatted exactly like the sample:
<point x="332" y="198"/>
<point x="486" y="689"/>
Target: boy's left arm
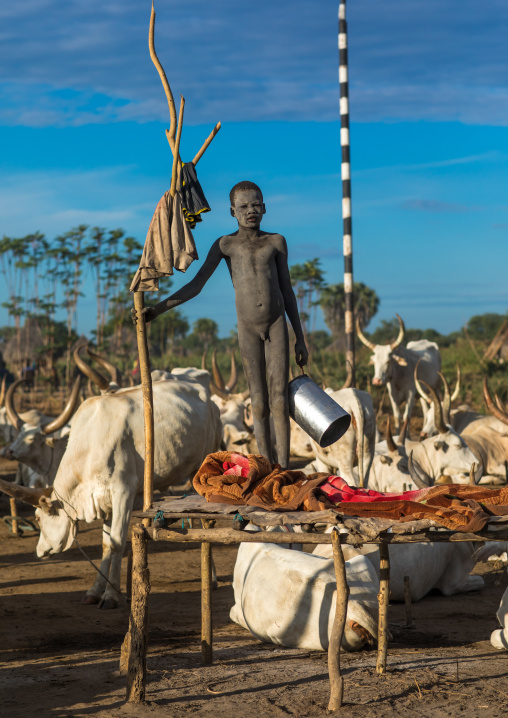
<point x="291" y="306"/>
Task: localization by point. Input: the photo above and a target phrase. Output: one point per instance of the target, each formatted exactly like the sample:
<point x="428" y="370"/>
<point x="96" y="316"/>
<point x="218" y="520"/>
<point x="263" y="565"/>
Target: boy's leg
<point x="253" y="358"/>
<point x="277" y="370"/>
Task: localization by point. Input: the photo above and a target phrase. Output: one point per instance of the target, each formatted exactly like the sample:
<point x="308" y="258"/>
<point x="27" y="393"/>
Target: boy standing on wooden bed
<point x="258" y="265"/>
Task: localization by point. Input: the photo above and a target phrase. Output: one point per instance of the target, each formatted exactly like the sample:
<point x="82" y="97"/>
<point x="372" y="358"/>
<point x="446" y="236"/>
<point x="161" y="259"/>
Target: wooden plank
<point x="230" y="537"/>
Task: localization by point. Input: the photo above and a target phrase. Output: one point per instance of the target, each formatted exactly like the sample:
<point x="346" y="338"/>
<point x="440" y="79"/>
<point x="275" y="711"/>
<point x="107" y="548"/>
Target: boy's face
<point x="248" y="208"/>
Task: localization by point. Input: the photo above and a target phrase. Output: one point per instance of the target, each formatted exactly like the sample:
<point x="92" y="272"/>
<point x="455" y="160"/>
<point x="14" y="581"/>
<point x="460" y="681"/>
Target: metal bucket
<point x="316" y="412"/>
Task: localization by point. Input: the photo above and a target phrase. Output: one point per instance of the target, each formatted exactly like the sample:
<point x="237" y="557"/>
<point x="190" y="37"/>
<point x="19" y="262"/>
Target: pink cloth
<point x="339" y="490"/>
<point x="238" y="466"/>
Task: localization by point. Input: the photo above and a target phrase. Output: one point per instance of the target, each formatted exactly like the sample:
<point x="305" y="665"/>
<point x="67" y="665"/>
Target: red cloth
<point x="339" y="490"/>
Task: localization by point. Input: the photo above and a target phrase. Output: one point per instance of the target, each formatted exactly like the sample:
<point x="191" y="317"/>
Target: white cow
<point x="102" y="469"/>
<point x="445" y="566"/>
<point x="358" y="441"/>
<point x="288" y="597"/>
<point x="394" y="366"/>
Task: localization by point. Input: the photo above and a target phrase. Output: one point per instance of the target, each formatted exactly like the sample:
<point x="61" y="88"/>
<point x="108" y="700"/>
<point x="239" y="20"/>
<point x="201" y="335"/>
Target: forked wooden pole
<point x="136" y="640"/>
<point x="342" y="595"/>
<point x="146" y="385"/>
<point x="383" y="599"/>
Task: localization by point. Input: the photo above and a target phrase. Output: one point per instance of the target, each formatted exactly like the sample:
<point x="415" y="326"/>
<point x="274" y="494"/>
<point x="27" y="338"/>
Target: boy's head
<point x="247" y="204"/>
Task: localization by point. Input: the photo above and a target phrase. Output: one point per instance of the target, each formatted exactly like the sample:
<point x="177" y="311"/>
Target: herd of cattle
<point x="87" y="464"/>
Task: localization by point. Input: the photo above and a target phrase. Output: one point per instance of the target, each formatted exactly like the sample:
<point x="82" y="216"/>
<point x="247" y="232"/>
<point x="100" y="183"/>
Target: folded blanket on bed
<point x="226" y="477"/>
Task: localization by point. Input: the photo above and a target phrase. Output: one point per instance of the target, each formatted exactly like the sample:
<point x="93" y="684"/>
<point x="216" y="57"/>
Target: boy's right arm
<point x="189" y="290"/>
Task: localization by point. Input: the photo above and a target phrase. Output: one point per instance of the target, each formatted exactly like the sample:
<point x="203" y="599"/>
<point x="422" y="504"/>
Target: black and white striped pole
<point x="347" y="231"/>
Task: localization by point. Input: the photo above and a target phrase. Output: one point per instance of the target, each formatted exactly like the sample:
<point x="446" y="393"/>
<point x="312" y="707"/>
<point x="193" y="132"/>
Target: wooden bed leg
<point x="136" y="640"/>
<point x="14" y="513"/>
<point x="383" y="599"/>
<point x="407" y="601"/>
<point x="206" y="600"/>
<point x="336" y="680"/>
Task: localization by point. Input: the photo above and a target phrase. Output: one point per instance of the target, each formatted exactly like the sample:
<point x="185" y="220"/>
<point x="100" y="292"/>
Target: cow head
<point x="34" y="446"/>
<point x="383" y="356"/>
<point x="55" y="517"/>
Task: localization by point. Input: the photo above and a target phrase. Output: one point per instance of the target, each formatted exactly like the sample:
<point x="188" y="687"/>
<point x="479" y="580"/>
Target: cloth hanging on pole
<point x="194" y="202"/>
<point x="169" y="245"/>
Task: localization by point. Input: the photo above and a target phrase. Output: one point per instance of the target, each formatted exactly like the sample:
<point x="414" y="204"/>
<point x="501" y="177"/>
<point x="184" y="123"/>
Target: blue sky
<point x="83" y="114"/>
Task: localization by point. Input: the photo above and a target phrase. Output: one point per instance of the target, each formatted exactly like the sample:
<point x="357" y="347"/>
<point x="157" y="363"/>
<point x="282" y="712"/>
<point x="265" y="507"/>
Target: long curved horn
<point x="494" y="410"/>
<point x="112" y="370"/>
<point x="478" y="472"/>
<point x="419" y="387"/>
<point x="456" y="391"/>
<point x="419" y="476"/>
<point x="216" y="372"/>
<point x="24" y="493"/>
<point x="92" y="374"/>
<point x="438" y="409"/>
<point x="349" y="376"/>
<point x="12" y="414"/>
<point x="389" y="438"/>
<point x="233" y="377"/>
<point x="68" y="411"/>
<point x="362" y="337"/>
<point x="2" y="390"/>
<point x="447" y="398"/>
<point x="399" y="339"/>
<point x="213" y="386"/>
<point x="403" y="432"/>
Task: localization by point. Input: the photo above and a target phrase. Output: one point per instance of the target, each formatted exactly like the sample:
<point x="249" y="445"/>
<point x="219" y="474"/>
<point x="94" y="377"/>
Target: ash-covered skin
<point x="258" y="265"/>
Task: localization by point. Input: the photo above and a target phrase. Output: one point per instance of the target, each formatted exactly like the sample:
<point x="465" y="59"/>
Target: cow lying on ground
<point x="288" y="597"/>
<point x="102" y="469"/>
<point x="445" y="566"/>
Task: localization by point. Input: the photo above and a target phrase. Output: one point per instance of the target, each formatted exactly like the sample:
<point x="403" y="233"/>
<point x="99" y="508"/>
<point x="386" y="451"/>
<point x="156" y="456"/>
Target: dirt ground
<point x="60" y="658"/>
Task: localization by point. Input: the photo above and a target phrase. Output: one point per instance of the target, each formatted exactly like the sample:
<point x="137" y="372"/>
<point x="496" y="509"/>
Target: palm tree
<point x="332" y="302"/>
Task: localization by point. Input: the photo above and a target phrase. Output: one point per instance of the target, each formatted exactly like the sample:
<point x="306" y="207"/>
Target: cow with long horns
<point x="394" y="367"/>
<point x="40" y="447"/>
<point x="102" y="469"/>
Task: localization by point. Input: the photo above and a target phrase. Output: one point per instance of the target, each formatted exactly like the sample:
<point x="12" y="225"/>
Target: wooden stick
<point x="383" y="598"/>
<point x="342" y="595"/>
<point x="206" y="144"/>
<point x="167" y="89"/>
<point x="136" y="645"/>
<point x="229" y="536"/>
<point x="206" y="601"/>
<point x="14" y="513"/>
<point x="146" y="384"/>
<point x="407" y="601"/>
<point x="175" y="172"/>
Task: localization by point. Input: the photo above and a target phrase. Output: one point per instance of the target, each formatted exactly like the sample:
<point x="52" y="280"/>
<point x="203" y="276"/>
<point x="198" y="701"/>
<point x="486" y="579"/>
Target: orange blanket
<point x="226" y="477"/>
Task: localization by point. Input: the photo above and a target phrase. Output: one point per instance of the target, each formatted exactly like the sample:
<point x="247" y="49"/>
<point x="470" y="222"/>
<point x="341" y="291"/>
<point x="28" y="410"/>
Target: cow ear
<point x="45" y="504"/>
<point x="400" y="360"/>
<point x="50" y="441"/>
<point x="48" y="505"/>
